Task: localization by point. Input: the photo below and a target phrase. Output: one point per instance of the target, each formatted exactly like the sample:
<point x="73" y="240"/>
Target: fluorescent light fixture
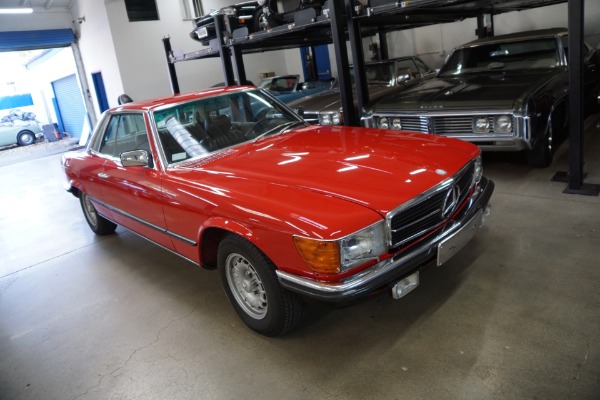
<point x="25" y="10"/>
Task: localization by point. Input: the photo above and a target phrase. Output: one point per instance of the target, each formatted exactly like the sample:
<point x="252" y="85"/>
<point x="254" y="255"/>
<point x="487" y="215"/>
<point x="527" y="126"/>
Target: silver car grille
<point x="443" y="125"/>
<point x="427" y="212"/>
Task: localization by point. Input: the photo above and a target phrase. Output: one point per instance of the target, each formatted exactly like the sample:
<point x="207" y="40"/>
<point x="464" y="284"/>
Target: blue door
<point x="100" y="91"/>
<point x="315" y="63"/>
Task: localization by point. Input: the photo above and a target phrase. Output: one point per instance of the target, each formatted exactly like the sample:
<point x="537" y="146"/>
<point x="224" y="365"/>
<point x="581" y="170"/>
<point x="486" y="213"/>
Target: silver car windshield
<point x="519" y="55"/>
<point x="207" y="125"/>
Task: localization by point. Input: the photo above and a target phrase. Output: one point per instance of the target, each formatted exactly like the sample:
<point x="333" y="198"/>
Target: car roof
<point x="150" y="105"/>
<point x="540" y="33"/>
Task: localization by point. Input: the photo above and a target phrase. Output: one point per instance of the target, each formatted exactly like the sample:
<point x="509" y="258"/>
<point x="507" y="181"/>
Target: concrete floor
<point x="516" y="315"/>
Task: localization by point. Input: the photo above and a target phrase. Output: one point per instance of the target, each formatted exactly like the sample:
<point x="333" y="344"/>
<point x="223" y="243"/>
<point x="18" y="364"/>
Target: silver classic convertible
<point x="504" y="93"/>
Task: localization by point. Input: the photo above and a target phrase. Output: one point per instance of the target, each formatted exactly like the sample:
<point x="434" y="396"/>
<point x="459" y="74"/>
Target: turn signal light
<point x="322" y="256"/>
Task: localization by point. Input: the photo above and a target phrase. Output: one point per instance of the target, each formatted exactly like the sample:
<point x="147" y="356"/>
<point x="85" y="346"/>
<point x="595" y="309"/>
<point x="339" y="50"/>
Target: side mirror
<point x="136" y="158"/>
<point x="403" y="75"/>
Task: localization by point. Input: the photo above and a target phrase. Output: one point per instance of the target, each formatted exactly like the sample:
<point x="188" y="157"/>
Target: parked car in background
<point x="383" y="78"/>
<point x="288" y="88"/>
<point x="233" y="180"/>
<point x="19" y="128"/>
<point x="503" y="93"/>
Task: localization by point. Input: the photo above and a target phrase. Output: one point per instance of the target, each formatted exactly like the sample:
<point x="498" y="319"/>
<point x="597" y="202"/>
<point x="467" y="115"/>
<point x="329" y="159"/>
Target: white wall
<point x="142" y="62"/>
<point x="96" y="46"/>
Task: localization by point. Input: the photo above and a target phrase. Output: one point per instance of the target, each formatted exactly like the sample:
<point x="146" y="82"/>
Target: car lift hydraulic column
<point x="358" y="59"/>
<point x="171" y="65"/>
<point x="343" y="66"/>
<point x="224" y="52"/>
<point x="576" y="104"/>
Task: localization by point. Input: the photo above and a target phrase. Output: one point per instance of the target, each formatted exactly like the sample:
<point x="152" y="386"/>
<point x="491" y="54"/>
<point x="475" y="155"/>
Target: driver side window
<point x="124" y="132"/>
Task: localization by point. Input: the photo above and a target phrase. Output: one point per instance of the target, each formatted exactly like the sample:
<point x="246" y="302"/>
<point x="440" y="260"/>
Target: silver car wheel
<point x="246" y="286"/>
<point x="90" y="211"/>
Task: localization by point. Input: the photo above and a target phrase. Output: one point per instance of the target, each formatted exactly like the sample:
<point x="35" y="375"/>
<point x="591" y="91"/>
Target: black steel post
<point x="358" y="59"/>
<point x="240" y="70"/>
<point x="576" y="103"/>
<point x="224" y="52"/>
<point x="343" y="66"/>
<point x="383" y="46"/>
<point x="172" y="71"/>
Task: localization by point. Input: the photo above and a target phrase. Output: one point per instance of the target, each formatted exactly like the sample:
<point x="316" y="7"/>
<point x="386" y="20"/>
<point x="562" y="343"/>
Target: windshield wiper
<point x="279" y="129"/>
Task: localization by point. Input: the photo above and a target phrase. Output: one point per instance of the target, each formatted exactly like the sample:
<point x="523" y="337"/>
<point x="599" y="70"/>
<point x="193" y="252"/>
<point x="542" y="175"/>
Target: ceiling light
<point x="27" y="10"/>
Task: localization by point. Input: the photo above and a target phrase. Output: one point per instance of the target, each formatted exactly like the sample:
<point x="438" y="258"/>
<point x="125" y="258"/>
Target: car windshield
<point x="282" y="84"/>
<point x="377" y="74"/>
<point x="204" y="126"/>
<point x="527" y="54"/>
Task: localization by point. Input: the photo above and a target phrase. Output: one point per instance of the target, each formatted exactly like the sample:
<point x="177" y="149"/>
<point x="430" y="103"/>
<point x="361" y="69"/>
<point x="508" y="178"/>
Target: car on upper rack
<point x="384" y="78"/>
<point x="502" y="93"/>
<point x="255" y="16"/>
<point x="232" y="179"/>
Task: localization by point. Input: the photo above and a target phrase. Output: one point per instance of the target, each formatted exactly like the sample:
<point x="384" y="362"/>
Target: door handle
<point x="102" y="175"/>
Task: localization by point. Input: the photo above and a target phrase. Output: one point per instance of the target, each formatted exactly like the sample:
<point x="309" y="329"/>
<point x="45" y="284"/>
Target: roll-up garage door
<point x="70" y="104"/>
<point x="28" y="40"/>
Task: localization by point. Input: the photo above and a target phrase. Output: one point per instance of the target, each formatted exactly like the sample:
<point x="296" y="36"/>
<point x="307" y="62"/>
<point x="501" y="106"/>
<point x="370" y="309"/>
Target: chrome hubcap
<point x="90" y="211"/>
<point x="246" y="286"/>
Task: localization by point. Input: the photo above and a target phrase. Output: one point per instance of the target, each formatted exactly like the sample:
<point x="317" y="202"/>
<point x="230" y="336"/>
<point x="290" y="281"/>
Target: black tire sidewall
<point x="103" y="226"/>
<point x="273" y="323"/>
<point x="23" y="134"/>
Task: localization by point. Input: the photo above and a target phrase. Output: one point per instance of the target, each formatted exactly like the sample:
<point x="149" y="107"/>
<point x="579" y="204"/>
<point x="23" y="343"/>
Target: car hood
<point x="468" y="91"/>
<point x="330" y="100"/>
<point x="377" y="169"/>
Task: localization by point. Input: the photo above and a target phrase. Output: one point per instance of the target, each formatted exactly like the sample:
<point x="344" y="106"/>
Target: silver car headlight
<point x="364" y="245"/>
<point x="503" y="124"/>
<point x="335" y="256"/>
<point x="396" y="124"/>
<point x="384" y="123"/>
<point x="330" y="118"/>
<point x="481" y="124"/>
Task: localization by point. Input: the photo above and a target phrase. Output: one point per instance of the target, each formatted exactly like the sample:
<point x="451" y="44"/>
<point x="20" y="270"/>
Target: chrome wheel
<point x="246" y="286"/>
<point x="90" y="212"/>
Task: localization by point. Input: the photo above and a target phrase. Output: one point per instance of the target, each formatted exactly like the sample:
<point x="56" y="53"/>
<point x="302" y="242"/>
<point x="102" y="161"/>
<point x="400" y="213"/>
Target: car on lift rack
<point x="383" y="78"/>
<point x="233" y="180"/>
<point x="503" y="93"/>
<point x="255" y="16"/>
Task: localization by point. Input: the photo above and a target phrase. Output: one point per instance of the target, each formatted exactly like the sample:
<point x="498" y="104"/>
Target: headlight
<point x="503" y="124"/>
<point x="335" y="256"/>
<point x="383" y="123"/>
<point x="396" y="124"/>
<point x="478" y="171"/>
<point x="481" y="124"/>
<point x="330" y="118"/>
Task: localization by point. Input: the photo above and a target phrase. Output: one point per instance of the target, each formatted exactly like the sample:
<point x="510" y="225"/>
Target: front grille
<point x="311" y="117"/>
<point x="425" y="213"/>
<point x="414" y="124"/>
<point x="454" y="125"/>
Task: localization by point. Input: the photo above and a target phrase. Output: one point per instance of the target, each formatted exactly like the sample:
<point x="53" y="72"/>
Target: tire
<point x="25" y="138"/>
<point x="251" y="285"/>
<point x="541" y="154"/>
<point x="98" y="224"/>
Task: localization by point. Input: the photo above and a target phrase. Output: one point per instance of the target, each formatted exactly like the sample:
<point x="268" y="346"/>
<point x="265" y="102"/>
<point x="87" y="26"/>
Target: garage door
<point x="70" y="104"/>
<point x="28" y="40"/>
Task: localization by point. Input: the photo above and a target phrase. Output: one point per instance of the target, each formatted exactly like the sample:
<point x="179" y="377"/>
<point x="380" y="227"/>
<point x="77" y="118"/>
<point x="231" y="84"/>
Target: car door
<point x="133" y="193"/>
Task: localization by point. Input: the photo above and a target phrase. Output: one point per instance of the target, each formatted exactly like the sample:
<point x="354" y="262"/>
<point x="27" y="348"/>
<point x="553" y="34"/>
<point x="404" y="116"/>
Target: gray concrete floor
<point x="516" y="315"/>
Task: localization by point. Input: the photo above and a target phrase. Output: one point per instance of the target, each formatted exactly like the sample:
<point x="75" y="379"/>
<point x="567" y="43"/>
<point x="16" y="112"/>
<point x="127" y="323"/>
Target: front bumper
<point x="388" y="272"/>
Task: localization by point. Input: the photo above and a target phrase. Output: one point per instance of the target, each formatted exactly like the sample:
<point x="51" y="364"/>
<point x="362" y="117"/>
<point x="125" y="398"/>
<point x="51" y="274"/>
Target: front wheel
<point x="251" y="285"/>
<point x="541" y="153"/>
<point x="98" y="224"/>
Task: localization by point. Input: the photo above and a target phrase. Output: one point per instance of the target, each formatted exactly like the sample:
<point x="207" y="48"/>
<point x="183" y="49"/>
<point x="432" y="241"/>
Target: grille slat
<point x="410" y="223"/>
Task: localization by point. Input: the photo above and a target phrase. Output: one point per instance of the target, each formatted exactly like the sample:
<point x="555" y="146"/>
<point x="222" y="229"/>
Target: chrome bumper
<point x="388" y="272"/>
